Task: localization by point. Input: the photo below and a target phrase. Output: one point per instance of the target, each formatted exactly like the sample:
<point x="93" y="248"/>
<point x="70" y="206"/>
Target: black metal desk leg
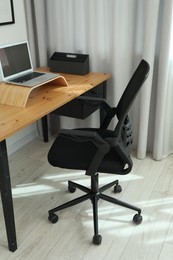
<point x="6" y="196"/>
<point x="102" y="112"/>
<point x="45" y="128"/>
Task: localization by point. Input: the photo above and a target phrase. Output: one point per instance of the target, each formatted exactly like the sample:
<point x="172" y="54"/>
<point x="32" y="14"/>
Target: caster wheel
<point x="137" y="219"/>
<point x="117" y="188"/>
<point x="53" y="218"/>
<point x="71" y="189"/>
<point x="97" y="239"/>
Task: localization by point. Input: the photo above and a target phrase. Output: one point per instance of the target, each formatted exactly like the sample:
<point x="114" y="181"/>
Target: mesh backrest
<point x="132" y="89"/>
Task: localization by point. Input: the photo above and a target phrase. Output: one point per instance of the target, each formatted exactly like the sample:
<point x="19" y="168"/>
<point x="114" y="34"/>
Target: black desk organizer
<point x="69" y="63"/>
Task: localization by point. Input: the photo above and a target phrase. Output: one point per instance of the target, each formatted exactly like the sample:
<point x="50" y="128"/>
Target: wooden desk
<point x="42" y="101"/>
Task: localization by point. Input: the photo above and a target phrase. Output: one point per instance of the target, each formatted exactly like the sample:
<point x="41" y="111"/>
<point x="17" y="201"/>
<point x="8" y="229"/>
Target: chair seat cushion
<point x="68" y="153"/>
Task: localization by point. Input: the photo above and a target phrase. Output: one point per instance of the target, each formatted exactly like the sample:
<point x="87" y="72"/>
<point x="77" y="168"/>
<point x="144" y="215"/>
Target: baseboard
<point x="20" y="139"/>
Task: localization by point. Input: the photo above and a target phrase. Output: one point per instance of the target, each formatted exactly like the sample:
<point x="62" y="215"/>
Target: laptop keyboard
<point x="27" y="77"/>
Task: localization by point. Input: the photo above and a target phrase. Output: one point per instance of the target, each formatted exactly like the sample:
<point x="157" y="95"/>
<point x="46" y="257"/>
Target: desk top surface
<point x="44" y="100"/>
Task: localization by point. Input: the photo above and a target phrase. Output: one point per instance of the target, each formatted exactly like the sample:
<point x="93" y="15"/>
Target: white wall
<point x="14" y="33"/>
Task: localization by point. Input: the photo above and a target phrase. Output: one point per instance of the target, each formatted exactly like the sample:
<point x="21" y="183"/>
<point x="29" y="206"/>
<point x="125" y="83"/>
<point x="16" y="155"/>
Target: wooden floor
<point x="37" y="187"/>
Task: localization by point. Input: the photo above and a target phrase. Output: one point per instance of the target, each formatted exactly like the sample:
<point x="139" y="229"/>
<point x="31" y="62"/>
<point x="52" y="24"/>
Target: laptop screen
<point x="15" y="60"/>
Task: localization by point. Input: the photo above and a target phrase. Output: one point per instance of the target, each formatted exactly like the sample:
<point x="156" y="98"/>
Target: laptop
<point x="16" y="66"/>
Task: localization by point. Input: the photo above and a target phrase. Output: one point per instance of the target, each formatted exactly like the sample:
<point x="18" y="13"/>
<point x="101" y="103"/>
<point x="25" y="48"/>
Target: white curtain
<point x="116" y="34"/>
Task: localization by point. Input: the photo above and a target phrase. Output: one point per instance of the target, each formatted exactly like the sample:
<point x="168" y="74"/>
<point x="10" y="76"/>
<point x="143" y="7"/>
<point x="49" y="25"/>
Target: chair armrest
<point x="95" y="102"/>
<point x="102" y="147"/>
<point x="100" y="103"/>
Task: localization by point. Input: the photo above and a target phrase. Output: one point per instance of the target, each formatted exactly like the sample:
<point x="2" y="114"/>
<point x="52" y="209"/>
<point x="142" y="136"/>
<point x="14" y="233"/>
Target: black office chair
<point x="99" y="150"/>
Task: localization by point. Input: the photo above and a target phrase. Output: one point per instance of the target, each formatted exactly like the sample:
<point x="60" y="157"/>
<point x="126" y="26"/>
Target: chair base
<point x="94" y="194"/>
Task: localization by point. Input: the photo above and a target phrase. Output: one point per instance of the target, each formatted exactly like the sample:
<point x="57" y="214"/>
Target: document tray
<point x="69" y="63"/>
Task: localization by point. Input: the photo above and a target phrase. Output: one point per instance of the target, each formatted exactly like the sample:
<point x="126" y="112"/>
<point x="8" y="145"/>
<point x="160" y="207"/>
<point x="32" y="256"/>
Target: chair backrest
<point x="129" y="94"/>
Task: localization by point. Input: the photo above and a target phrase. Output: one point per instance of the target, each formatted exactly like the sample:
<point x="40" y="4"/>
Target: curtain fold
<point x="150" y="10"/>
<point x="163" y="86"/>
<point x="37" y="31"/>
<point x="116" y="34"/>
